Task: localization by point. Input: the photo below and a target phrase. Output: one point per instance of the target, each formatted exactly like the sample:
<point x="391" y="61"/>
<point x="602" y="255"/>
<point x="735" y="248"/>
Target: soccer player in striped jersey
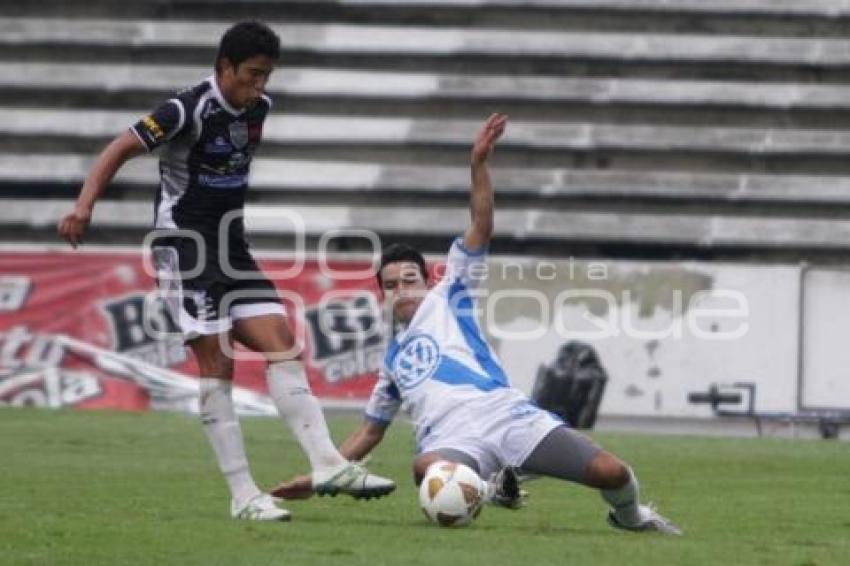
<point x="207" y="135"/>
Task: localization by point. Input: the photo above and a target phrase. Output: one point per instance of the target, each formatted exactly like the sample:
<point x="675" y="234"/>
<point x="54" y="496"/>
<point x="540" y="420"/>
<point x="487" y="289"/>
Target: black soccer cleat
<point x="504" y="490"/>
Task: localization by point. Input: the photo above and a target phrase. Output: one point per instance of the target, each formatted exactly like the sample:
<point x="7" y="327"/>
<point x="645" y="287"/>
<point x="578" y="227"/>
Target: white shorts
<point x="500" y="429"/>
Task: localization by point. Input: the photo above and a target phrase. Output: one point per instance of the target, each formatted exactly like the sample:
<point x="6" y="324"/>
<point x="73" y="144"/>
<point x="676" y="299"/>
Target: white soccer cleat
<point x="651" y="520"/>
<point x="353" y="479"/>
<point x="259" y="508"/>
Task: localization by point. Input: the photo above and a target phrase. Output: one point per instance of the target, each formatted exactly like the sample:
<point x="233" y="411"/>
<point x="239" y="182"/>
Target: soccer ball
<point x="450" y="494"/>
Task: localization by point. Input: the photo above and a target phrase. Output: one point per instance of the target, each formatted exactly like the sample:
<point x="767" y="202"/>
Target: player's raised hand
<point x="491" y="131"/>
<point x="73" y="226"/>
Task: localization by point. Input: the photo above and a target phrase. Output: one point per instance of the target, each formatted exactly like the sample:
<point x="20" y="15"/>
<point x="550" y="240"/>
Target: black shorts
<point x="204" y="293"/>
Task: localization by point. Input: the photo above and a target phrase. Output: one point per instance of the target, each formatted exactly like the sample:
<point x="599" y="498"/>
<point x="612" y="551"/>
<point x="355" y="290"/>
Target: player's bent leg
<point x="296" y="404"/>
<point x="564" y="454"/>
<point x="606" y="471"/>
<point x="264" y="328"/>
<point x="270" y="335"/>
<point x="224" y="434"/>
<point x="569" y="455"/>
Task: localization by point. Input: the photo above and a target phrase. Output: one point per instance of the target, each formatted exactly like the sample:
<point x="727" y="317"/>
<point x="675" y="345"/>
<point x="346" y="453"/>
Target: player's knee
<point x="606" y="471"/>
<point x="269" y="336"/>
<point x="620" y="475"/>
<point x="281" y="347"/>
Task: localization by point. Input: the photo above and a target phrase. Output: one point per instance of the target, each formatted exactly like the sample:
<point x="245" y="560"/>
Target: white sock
<point x="301" y="412"/>
<point x="625" y="501"/>
<point x="225" y="436"/>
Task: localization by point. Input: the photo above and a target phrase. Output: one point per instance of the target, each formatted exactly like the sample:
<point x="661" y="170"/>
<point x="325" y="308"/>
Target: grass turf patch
<point x="119" y="488"/>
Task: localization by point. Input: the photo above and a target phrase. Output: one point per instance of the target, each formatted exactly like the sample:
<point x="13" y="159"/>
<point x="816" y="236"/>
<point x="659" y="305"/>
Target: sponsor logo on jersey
<point x="218" y="146"/>
<point x="237" y="161"/>
<point x="223" y="181"/>
<point x="416" y="361"/>
<point x="153" y="128"/>
<point x="239" y="134"/>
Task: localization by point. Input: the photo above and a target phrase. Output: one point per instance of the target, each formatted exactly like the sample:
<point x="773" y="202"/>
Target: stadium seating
<point x="710" y="128"/>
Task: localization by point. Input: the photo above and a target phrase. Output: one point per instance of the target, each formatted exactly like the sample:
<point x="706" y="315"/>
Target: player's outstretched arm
<point x="124" y="147"/>
<point x="481" y="196"/>
<point x="356" y="447"/>
<point x="362" y="441"/>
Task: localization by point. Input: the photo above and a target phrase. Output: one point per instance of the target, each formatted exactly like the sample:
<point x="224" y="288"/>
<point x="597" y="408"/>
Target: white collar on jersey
<point x="220" y="97"/>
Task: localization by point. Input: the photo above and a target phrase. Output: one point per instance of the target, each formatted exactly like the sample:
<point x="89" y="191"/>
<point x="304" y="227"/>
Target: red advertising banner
<point x="73" y="332"/>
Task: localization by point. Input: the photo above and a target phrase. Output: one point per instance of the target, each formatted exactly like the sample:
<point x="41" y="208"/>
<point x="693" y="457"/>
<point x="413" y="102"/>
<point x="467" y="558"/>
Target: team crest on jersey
<point x="416" y="361"/>
<point x="239" y="134"/>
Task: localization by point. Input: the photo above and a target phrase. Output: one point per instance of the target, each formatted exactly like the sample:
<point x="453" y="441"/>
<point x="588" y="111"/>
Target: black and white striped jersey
<point x="207" y="146"/>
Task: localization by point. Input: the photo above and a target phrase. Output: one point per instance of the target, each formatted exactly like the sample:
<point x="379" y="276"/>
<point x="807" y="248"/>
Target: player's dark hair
<point x="245" y="40"/>
<point x="401" y="252"/>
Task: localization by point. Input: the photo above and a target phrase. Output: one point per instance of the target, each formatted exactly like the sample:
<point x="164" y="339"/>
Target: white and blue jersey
<point x="444" y="374"/>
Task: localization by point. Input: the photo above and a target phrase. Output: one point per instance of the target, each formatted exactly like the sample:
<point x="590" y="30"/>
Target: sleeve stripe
<point x="141" y="140"/>
<point x="182" y="120"/>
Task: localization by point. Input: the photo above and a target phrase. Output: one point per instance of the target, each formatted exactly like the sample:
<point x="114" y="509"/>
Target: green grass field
<point x="107" y="488"/>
